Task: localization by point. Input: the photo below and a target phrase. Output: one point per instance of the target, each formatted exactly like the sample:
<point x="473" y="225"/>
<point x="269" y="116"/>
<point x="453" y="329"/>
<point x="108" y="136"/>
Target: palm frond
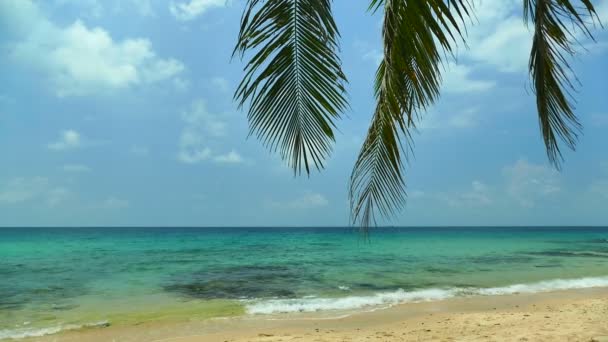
<point x="555" y="23"/>
<point x="293" y="81"/>
<point x="414" y="35"/>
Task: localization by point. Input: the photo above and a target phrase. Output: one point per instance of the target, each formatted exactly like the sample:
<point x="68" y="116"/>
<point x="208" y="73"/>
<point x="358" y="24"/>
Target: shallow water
<point x="62" y="278"/>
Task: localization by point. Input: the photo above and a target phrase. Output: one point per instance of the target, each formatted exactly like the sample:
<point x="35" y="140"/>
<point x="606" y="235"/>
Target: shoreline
<point x="577" y="315"/>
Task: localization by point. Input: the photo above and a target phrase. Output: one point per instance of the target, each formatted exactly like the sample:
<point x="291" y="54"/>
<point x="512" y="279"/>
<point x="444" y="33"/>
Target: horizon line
<point x="317" y="226"/>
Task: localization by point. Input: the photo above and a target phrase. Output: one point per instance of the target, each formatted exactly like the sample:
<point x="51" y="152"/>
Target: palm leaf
<point x="555" y="23"/>
<point x="293" y="81"/>
<point x="414" y="34"/>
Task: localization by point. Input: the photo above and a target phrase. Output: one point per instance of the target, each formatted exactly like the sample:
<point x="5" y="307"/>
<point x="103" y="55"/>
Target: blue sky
<point x="120" y="112"/>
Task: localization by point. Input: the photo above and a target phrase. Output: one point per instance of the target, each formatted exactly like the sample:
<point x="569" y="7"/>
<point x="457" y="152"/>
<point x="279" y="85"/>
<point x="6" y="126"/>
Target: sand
<point x="580" y="315"/>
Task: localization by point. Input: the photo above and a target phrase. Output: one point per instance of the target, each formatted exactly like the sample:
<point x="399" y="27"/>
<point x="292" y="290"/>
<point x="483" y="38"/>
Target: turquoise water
<point x="59" y="278"/>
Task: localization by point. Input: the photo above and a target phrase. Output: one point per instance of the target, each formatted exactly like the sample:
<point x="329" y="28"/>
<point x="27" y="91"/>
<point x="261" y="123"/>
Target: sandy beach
<point x="576" y="315"/>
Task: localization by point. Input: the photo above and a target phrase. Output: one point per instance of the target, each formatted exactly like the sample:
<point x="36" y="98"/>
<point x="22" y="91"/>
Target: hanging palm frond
<point x="407" y="81"/>
<point x="293" y="82"/>
<point x="555" y="25"/>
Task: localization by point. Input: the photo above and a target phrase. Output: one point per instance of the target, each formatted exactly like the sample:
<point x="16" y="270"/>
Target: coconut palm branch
<point x="407" y="81"/>
<point x="555" y="25"/>
<point x="293" y="82"/>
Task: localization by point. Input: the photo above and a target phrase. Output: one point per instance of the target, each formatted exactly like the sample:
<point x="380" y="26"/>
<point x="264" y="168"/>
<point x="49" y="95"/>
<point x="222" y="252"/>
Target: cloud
<point x="476" y="196"/>
<point x="199" y="124"/>
<point x="373" y="55"/>
<point x="229" y="158"/>
<point x="20" y="190"/>
<point x="499" y="36"/>
<point x="309" y="200"/>
<point x="220" y="84"/>
<point x="200" y="128"/>
<point x="76" y="168"/>
<point x="599" y="187"/>
<point x="99" y="8"/>
<point x="68" y="140"/>
<point x="139" y="151"/>
<point x="57" y="196"/>
<point x="528" y="183"/>
<point x="190" y="10"/>
<point x="457" y="79"/>
<point x="23" y="189"/>
<point x="200" y="118"/>
<point x="463" y="119"/>
<point x="80" y="60"/>
<point x="115" y="203"/>
<point x="192" y="154"/>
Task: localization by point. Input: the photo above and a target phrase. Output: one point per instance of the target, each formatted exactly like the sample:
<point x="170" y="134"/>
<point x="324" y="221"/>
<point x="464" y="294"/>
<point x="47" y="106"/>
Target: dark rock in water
<point x="64" y="307"/>
<point x="501" y="259"/>
<point x="374" y="287"/>
<point x="441" y="270"/>
<point x="230" y="290"/>
<point x="576" y="254"/>
<point x="548" y="265"/>
<point x="247" y="281"/>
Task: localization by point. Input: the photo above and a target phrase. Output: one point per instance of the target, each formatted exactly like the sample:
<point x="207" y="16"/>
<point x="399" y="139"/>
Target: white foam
<point x="347" y="303"/>
<point x="38" y="332"/>
<point x="548" y="285"/>
<point x="385" y="299"/>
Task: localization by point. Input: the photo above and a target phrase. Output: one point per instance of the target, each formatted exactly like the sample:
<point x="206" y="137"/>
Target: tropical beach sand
<point x="575" y="315"/>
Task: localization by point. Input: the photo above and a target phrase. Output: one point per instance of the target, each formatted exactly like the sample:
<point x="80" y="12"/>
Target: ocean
<point x="54" y="279"/>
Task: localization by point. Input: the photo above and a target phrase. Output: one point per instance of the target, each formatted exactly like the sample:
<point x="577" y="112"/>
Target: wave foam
<point x="347" y="303"/>
<point x="387" y="299"/>
<point x="38" y="332"/>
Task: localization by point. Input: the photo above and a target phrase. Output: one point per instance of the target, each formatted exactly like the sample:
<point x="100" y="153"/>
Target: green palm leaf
<point x="293" y="81"/>
<point x="554" y="24"/>
<point x="415" y="33"/>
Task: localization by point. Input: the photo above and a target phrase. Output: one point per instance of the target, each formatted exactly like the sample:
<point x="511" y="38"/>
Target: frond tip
<point x="555" y="23"/>
<point x="408" y="80"/>
<point x="293" y="82"/>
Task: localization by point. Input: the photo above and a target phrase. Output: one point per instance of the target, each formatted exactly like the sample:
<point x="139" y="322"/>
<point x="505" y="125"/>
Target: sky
<point x="120" y="113"/>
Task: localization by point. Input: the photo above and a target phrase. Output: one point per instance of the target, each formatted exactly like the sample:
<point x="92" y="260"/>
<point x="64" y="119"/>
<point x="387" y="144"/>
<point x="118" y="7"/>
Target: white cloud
<point x="68" y="139"/>
<point x="528" y="183"/>
<point x="478" y="195"/>
<point x="457" y="79"/>
<point x="229" y="158"/>
<point x="57" y="195"/>
<point x="115" y="203"/>
<point x="76" y="168"/>
<point x="193" y="154"/>
<point x="140" y="151"/>
<point x="599" y="187"/>
<point x="309" y="200"/>
<point x="499" y="36"/>
<point x="466" y="118"/>
<point x="200" y="128"/>
<point x="189" y="10"/>
<point x="80" y="60"/>
<point x="23" y="189"/>
<point x="373" y="55"/>
<point x="220" y="83"/>
<point x="99" y="8"/>
<point x="143" y="7"/>
<point x="200" y="118"/>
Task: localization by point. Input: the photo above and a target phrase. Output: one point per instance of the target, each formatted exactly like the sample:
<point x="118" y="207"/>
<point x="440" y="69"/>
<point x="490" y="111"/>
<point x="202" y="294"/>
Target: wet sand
<point x="577" y="315"/>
